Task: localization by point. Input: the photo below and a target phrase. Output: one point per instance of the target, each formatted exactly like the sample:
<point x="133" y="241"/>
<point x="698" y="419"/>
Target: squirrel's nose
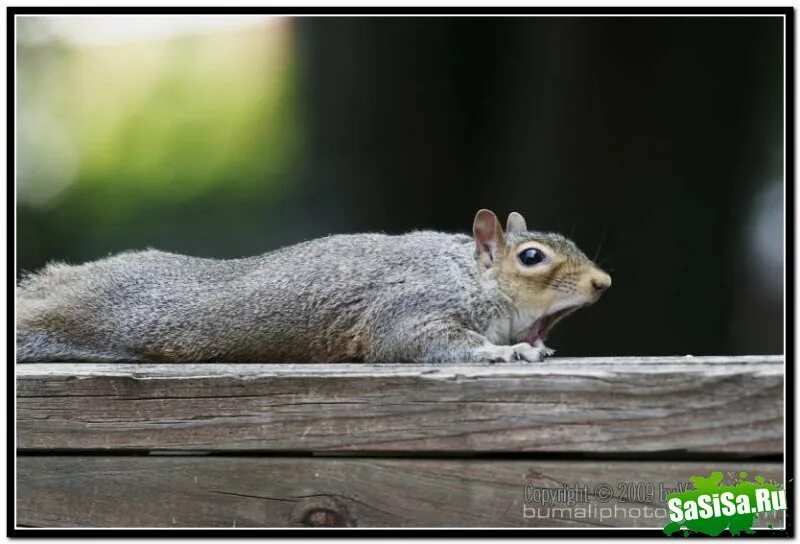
<point x="601" y="282"/>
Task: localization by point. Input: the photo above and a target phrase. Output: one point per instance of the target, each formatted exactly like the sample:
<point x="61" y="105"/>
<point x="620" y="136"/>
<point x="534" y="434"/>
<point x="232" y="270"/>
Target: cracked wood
<point x="196" y="491"/>
<point x="695" y="404"/>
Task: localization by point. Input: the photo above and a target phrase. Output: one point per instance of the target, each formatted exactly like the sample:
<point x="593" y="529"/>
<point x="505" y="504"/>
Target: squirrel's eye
<point x="531" y="257"/>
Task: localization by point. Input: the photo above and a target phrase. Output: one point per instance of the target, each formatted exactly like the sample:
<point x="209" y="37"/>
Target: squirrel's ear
<point x="516" y="223"/>
<point x="489" y="237"/>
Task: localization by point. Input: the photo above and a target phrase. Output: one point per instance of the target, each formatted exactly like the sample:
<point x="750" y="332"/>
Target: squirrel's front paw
<point x="517" y="352"/>
<point x="533" y="354"/>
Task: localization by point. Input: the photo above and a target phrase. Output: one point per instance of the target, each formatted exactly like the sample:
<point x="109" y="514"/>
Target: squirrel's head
<point x="545" y="274"/>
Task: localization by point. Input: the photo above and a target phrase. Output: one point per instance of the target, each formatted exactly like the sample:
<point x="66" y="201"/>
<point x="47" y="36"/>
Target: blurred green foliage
<point x="120" y="142"/>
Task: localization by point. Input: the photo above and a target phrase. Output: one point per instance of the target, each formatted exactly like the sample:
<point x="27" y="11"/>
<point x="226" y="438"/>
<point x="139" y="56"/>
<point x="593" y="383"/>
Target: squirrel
<point x="424" y="296"/>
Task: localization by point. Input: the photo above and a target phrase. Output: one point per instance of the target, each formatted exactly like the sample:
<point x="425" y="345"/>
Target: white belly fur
<point x="510" y="329"/>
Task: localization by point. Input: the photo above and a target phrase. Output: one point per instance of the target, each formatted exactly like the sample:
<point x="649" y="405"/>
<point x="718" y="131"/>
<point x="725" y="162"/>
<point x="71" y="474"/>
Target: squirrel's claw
<point x="533" y="354"/>
<point x="517" y="352"/>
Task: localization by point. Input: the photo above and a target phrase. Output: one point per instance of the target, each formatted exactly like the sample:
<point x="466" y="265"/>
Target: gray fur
<point x="335" y="298"/>
<point x="419" y="297"/>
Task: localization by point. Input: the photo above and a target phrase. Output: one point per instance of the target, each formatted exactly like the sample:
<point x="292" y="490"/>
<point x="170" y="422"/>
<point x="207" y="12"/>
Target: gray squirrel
<point x="426" y="297"/>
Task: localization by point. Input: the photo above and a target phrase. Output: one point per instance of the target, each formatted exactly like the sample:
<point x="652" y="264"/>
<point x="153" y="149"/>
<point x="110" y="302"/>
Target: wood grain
<point x="194" y="491"/>
<point x="699" y="404"/>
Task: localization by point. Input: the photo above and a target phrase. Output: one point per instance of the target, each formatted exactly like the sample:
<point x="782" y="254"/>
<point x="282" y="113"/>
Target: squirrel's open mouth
<point x="542" y="326"/>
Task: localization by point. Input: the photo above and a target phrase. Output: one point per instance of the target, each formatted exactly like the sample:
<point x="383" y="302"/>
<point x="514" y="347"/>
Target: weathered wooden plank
<point x="192" y="491"/>
<point x="710" y="404"/>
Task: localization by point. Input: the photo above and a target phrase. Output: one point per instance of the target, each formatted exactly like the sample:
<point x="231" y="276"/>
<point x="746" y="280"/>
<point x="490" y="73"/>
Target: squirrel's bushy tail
<point x="39" y="298"/>
<point x="38" y="292"/>
<point x="44" y="346"/>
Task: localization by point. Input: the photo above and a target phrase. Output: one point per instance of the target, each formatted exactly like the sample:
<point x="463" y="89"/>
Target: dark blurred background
<point x="656" y="141"/>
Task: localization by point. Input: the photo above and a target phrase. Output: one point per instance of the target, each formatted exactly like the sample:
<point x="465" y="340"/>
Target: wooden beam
<point x="696" y="404"/>
<point x="195" y="491"/>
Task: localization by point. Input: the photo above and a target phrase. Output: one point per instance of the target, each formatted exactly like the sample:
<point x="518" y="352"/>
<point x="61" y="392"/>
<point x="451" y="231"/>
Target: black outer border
<point x="12" y="12"/>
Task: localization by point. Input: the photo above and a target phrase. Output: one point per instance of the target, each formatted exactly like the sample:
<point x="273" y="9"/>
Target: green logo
<point x="711" y="507"/>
